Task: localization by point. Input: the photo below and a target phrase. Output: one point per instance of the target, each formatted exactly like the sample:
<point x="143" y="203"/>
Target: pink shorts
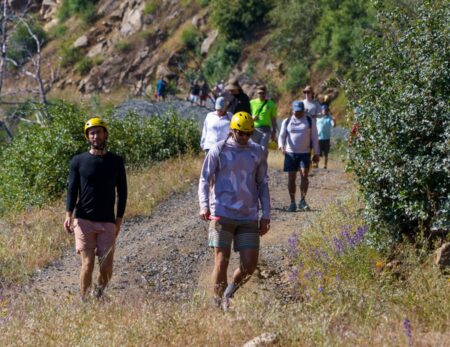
<point x="94" y="235"/>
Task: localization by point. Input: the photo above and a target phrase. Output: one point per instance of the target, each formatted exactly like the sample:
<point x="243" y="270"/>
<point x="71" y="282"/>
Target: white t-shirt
<point x="215" y="129"/>
<point x="312" y="108"/>
<point x="296" y="137"/>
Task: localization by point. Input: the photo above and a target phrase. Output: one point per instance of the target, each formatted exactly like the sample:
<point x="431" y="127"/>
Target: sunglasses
<point x="244" y="133"/>
<point x="306" y="92"/>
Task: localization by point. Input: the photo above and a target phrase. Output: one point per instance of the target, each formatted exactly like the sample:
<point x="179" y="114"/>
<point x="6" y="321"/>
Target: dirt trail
<point x="165" y="255"/>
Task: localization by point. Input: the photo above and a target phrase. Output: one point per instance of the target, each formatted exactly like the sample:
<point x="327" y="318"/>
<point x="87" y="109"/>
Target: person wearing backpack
<point x="264" y="113"/>
<point x="298" y="135"/>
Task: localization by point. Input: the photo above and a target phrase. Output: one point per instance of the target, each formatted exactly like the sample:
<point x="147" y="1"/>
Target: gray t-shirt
<point x="296" y="136"/>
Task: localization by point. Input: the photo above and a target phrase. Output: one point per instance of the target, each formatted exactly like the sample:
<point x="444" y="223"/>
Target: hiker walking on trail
<point x="312" y="107"/>
<point x="297" y="135"/>
<point x="204" y="93"/>
<point x="94" y="179"/>
<point x="264" y="113"/>
<point x="216" y="126"/>
<point x="324" y="125"/>
<point x="194" y="93"/>
<point x="238" y="168"/>
<point x="237" y="100"/>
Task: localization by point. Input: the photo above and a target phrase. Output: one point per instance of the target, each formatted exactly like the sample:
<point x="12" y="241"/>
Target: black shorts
<point x="324" y="146"/>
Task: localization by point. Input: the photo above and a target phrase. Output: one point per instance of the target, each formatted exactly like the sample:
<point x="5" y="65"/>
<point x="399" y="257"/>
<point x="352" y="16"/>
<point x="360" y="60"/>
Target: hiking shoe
<point x="292" y="207"/>
<point x="225" y="304"/>
<point x="216" y="301"/>
<point x="97" y="292"/>
<point x="303" y="205"/>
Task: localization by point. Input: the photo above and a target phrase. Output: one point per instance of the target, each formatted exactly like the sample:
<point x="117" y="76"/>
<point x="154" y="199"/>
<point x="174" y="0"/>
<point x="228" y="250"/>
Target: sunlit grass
<point x="33" y="238"/>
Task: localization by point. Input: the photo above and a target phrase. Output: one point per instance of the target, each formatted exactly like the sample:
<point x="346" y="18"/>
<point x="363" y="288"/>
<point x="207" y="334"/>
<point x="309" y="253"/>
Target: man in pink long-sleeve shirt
<point x="239" y="169"/>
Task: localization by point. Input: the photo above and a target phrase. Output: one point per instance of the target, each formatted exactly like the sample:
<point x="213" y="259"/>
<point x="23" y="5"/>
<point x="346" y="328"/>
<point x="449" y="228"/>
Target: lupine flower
<point x="294" y="274"/>
<point x="320" y="289"/>
<point x="407" y="325"/>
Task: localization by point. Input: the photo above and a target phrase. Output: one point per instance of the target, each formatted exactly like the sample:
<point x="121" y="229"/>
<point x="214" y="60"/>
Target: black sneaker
<point x="97" y="292"/>
<point x="303" y="205"/>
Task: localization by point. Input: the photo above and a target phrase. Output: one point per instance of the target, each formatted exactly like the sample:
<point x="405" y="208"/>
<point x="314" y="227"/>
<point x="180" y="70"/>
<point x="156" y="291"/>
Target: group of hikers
<point x="233" y="187"/>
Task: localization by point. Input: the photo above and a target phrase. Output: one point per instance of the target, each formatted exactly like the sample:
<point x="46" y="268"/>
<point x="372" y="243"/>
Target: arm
<point x="122" y="194"/>
<point x="263" y="195"/>
<point x="72" y="195"/>
<point x="208" y="170"/>
<point x="282" y="136"/>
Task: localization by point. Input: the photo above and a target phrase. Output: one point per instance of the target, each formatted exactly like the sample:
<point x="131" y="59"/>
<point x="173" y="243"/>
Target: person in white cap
<point x="216" y="126"/>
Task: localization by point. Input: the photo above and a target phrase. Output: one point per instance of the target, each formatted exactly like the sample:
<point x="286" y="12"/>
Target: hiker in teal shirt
<point x="324" y="125"/>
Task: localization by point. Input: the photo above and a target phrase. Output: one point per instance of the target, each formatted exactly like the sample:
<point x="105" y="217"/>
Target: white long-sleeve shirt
<point x="296" y="136"/>
<point x="215" y="129"/>
<point x="240" y="181"/>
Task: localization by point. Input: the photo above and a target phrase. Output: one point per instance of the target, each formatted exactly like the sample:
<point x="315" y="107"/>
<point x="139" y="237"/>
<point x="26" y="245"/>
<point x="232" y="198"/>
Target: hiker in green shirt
<point x="264" y="113"/>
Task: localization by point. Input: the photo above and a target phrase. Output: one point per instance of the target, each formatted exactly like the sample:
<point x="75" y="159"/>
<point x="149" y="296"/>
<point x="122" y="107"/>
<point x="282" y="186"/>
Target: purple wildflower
<point x="294" y="274"/>
<point x="320" y="289"/>
<point x="338" y="247"/>
<point x="407" y="326"/>
<point x="293" y="245"/>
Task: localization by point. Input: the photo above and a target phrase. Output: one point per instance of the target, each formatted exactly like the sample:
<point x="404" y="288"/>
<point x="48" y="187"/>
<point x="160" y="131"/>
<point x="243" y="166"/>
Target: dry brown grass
<point x="34" y="238"/>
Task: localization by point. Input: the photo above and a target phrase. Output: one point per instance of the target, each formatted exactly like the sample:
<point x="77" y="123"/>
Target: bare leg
<point x="304" y="182"/>
<point x="291" y="184"/>
<point x="106" y="268"/>
<point x="219" y="274"/>
<point x="248" y="263"/>
<point x="87" y="267"/>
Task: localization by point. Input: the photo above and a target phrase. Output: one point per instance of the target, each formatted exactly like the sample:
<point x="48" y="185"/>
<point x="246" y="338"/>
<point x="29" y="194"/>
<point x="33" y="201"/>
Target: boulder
<point x="265" y="339"/>
<point x="81" y="42"/>
<point x="96" y="50"/>
<point x="442" y="256"/>
<point x="107" y="7"/>
<point x="132" y="21"/>
<point x="208" y="42"/>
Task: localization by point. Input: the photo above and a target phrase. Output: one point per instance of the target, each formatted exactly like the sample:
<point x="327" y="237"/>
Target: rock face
<point x="442" y="256"/>
<point x="132" y="20"/>
<point x="81" y="42"/>
<point x="208" y="42"/>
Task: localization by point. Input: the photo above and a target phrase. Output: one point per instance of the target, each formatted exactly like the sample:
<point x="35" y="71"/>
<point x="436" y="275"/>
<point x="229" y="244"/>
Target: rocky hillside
<point x="129" y="43"/>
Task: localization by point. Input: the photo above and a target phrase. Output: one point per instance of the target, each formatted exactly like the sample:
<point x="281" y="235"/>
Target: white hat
<point x="220" y="103"/>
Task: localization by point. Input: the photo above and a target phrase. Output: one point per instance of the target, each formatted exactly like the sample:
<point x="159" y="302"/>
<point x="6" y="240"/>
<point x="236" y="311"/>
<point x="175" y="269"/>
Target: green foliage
<point x="84" y="66"/>
<point x="151" y="7"/>
<point x="400" y="152"/>
<point x="83" y="8"/>
<point x="203" y="3"/>
<point x="69" y="54"/>
<point x="35" y="166"/>
<point x="236" y="17"/>
<point x="297" y="76"/>
<point x="123" y="46"/>
<point x="22" y="45"/>
<point x="221" y="59"/>
<point x="58" y="31"/>
<point x="191" y="37"/>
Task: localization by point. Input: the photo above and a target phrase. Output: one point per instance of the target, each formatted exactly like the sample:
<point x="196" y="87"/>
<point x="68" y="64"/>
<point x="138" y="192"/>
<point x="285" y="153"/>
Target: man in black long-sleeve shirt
<point x="95" y="177"/>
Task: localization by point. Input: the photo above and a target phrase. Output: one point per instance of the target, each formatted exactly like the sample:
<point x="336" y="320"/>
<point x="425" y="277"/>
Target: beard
<point x="98" y="146"/>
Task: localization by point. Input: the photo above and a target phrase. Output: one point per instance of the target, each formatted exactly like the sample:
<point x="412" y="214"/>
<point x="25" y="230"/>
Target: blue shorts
<point x="295" y="161"/>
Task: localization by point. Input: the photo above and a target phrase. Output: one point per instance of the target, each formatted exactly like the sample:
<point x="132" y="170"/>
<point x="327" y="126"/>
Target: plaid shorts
<point x="243" y="234"/>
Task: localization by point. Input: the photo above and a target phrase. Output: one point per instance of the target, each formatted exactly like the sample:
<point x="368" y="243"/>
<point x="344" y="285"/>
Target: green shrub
<point x="22" y="45"/>
<point x="84" y="66"/>
<point x="151" y="7"/>
<point x="203" y="3"/>
<point x="221" y="60"/>
<point x="58" y="31"/>
<point x="296" y="77"/>
<point x="35" y="166"/>
<point x="123" y="46"/>
<point x="69" y="54"/>
<point x="84" y="8"/>
<point x="400" y="151"/>
<point x="191" y="37"/>
<point x="235" y="19"/>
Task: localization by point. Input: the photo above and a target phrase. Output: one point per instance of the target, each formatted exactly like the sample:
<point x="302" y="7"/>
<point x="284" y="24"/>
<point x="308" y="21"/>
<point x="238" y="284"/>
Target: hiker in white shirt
<point x="216" y="126"/>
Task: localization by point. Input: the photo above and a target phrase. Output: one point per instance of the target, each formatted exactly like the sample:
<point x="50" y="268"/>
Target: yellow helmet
<point x="94" y="122"/>
<point x="242" y="121"/>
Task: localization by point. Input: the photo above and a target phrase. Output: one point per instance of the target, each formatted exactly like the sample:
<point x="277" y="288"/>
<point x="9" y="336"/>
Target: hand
<point x="282" y="150"/>
<point x="273" y="135"/>
<point x="316" y="158"/>
<point x="117" y="225"/>
<point x="264" y="226"/>
<point x="204" y="214"/>
<point x="255" y="118"/>
<point x="68" y="225"/>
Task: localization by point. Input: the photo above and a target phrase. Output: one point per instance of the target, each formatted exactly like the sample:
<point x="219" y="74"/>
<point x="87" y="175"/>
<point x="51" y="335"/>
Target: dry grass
<point x="34" y="238"/>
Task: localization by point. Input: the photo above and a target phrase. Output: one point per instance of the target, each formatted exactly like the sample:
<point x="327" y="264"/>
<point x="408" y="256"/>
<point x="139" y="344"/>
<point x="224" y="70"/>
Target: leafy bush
<point x="297" y="76"/>
<point x="84" y="66"/>
<point x="123" y="46"/>
<point x="191" y="37"/>
<point x="84" y="8"/>
<point x="69" y="54"/>
<point x="400" y="147"/>
<point x="58" y="31"/>
<point x="234" y="19"/>
<point x="35" y="166"/>
<point x="221" y="60"/>
<point x="22" y="45"/>
<point x="151" y="7"/>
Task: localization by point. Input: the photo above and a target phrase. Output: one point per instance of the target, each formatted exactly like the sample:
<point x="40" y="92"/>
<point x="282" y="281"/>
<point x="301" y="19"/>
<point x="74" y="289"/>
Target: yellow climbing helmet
<point x="242" y="121"/>
<point x="94" y="122"/>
